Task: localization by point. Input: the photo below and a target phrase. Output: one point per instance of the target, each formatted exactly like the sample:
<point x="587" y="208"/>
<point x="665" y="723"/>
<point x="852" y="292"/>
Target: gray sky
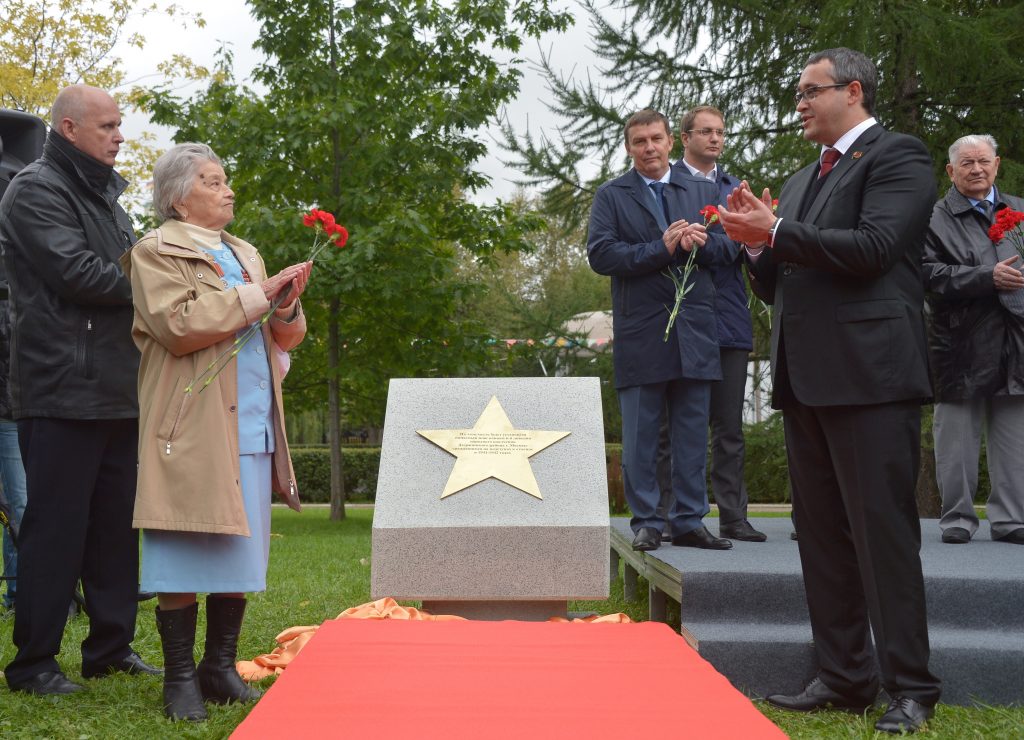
<point x="229" y="21"/>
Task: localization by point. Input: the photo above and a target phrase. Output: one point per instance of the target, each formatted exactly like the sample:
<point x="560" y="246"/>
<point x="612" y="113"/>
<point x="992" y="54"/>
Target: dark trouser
<point x="643" y="407"/>
<point x="727" y="397"/>
<point x="81" y="478"/>
<point x="853" y="470"/>
<point x="664" y="473"/>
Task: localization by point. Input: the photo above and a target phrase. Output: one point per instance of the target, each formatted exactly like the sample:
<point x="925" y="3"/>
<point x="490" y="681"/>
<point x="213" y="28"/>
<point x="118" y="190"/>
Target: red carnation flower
<point x="324" y="222"/>
<point x="710" y="214"/>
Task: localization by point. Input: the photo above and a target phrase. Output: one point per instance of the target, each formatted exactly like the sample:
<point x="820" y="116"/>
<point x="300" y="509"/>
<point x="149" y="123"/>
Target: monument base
<point x="496" y="611"/>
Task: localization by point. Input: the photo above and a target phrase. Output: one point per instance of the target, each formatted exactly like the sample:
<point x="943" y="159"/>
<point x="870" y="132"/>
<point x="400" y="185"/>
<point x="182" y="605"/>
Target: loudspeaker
<point x="22" y="136"/>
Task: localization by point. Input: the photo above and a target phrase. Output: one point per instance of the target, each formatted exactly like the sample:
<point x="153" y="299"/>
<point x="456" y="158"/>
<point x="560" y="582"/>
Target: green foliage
<point x="313" y="473"/>
<point x="46" y="45"/>
<point x="947" y="68"/>
<point x="371" y="111"/>
<point x="765" y="470"/>
<point x="531" y="294"/>
<point x="766" y="474"/>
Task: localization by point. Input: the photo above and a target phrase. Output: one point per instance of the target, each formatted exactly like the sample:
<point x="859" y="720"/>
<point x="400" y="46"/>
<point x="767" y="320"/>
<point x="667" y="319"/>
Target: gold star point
<point x="493" y="448"/>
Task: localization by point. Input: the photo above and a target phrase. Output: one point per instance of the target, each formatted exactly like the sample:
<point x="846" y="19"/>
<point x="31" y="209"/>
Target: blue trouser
<point x="12" y="478"/>
<point x="686" y="402"/>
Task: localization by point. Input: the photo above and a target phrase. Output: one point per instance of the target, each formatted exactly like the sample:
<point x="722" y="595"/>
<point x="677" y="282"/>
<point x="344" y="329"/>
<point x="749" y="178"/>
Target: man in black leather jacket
<point x="73" y="387"/>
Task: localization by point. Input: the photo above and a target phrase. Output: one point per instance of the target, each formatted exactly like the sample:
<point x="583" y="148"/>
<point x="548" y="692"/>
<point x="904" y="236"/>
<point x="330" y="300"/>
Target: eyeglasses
<point x="812" y="92"/>
<point x="706" y="131"/>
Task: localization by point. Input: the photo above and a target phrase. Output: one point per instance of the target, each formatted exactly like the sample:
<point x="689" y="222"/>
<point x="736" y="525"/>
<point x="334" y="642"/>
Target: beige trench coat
<point x="188" y="443"/>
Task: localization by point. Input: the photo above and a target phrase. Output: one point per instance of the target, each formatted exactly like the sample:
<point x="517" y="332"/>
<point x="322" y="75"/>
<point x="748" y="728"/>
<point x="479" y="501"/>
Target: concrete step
<point x="747" y="610"/>
<point x="761" y="659"/>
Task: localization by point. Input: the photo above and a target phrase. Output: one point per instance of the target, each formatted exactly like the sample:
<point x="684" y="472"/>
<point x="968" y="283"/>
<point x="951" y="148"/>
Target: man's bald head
<point x="90" y="119"/>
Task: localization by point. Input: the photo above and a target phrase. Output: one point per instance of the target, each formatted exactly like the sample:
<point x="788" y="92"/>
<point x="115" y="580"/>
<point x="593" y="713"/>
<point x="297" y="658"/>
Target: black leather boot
<point x="218" y="679"/>
<point x="182" y="698"/>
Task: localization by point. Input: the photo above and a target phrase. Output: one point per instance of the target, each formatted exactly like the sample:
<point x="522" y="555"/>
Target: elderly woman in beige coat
<point x="207" y="462"/>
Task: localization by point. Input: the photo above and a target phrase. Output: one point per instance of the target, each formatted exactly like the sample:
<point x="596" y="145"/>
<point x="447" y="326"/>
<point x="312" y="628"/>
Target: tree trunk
<point x="906" y="110"/>
<point x="334" y="413"/>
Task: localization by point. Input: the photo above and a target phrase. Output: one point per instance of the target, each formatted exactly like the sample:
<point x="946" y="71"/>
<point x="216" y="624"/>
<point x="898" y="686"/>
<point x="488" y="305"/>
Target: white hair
<point x="971" y="140"/>
<point x="174" y="173"/>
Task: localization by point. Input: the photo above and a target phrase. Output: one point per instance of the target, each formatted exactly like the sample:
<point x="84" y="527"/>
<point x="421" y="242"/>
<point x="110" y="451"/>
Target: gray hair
<point x="174" y="174"/>
<point x="971" y="140"/>
<point x="849" y="65"/>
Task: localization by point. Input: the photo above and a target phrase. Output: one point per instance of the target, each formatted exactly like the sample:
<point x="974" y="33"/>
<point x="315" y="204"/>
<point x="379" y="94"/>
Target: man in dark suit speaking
<point x="841" y="264"/>
<point x="642" y="225"/>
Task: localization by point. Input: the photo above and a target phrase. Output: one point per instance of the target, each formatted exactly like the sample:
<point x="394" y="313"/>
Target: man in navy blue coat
<point x="702" y="132"/>
<point x="642" y="225"/>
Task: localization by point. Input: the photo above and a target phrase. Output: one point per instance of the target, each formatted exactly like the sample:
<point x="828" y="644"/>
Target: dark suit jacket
<point x="732" y="307"/>
<point x="624" y="241"/>
<point x="845" y="278"/>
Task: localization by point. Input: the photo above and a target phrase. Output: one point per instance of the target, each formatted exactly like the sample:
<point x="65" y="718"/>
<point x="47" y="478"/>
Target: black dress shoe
<point x="819" y="696"/>
<point x="50" y="683"/>
<point x="741" y="530"/>
<point x="702" y="538"/>
<point x="792" y="535"/>
<point x="647" y="538"/>
<point x="1016" y="537"/>
<point x="132" y="664"/>
<point x="904" y="715"/>
<point x="956" y="536"/>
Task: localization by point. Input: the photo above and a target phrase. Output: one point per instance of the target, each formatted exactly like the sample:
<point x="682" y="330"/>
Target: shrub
<point x="313" y="473"/>
<point x="765" y="469"/>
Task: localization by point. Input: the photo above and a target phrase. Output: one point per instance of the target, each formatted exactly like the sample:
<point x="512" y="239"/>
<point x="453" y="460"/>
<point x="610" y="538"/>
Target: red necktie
<point x="828" y="161"/>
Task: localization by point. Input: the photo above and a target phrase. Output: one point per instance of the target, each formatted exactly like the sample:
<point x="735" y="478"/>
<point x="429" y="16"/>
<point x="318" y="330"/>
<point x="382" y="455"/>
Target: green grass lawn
<point x="318" y="568"/>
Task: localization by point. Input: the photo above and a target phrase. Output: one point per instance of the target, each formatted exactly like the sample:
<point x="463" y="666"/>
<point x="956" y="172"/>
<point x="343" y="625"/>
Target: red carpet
<point x="483" y="680"/>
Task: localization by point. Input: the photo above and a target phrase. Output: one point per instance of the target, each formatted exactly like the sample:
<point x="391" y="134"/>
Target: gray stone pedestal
<point x="492" y="551"/>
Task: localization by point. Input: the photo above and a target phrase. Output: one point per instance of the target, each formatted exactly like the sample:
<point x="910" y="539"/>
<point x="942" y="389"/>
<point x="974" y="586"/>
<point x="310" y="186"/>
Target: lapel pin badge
<point x="857" y="155"/>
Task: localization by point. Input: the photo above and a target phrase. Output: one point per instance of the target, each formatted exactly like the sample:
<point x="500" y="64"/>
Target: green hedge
<point x="313" y="473"/>
<point x="765" y="469"/>
<point x="766" y="481"/>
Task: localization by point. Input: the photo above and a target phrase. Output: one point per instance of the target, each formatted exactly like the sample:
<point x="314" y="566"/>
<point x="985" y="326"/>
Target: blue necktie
<point x="659" y="196"/>
<point x="984" y="207"/>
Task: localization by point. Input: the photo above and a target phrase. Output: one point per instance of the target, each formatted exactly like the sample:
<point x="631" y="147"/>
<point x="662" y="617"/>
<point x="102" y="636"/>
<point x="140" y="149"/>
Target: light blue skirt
<point x="197" y="562"/>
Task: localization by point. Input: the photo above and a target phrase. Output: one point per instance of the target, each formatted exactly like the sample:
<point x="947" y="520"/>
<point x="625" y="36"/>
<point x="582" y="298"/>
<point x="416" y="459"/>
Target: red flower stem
<point x="681" y="290"/>
<point x="236" y="346"/>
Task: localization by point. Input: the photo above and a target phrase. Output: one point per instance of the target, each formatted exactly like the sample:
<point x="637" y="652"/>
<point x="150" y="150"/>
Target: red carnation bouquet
<point x="322" y="222"/>
<point x="327" y="231"/>
<point x="1008" y="224"/>
<point x="710" y="214"/>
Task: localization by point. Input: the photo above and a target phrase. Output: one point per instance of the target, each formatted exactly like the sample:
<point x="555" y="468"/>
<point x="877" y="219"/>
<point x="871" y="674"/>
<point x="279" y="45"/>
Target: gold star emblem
<point x="493" y="448"/>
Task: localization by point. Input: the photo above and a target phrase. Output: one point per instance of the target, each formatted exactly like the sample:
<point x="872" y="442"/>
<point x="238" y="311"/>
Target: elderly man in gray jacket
<point x="976" y="347"/>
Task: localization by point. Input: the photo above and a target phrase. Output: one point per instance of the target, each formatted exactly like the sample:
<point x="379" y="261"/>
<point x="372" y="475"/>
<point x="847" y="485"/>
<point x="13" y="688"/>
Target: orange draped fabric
<point x="293" y="639"/>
